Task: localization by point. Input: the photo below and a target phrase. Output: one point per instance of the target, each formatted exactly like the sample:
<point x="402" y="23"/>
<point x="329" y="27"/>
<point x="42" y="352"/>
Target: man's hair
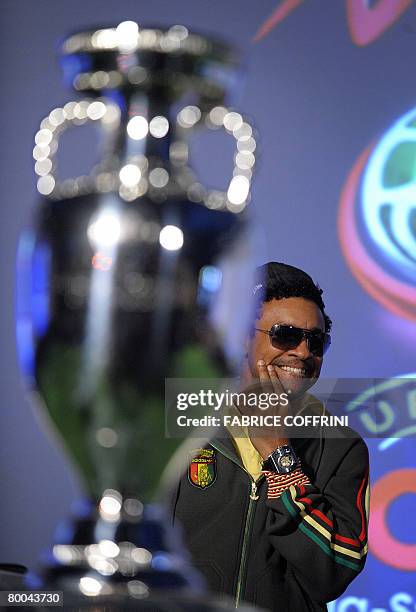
<point x="277" y="280"/>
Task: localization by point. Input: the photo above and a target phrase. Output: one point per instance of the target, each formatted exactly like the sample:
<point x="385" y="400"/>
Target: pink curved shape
<point x="366" y="24"/>
<point x="395" y="295"/>
<point x="278" y="15"/>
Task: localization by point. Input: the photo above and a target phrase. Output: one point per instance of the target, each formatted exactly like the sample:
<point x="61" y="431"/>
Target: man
<point x="283" y="523"/>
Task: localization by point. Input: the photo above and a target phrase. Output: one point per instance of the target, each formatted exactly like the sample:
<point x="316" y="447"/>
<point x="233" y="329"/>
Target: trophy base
<point x="101" y="564"/>
<point x="112" y="557"/>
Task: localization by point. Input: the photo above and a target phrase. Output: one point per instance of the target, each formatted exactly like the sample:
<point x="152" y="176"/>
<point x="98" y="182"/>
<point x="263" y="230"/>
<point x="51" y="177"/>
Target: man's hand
<point x="267" y="439"/>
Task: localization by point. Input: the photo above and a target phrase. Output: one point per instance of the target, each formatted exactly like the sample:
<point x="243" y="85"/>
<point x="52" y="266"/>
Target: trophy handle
<point x="104" y="178"/>
<point x="237" y="195"/>
<point x="73" y="114"/>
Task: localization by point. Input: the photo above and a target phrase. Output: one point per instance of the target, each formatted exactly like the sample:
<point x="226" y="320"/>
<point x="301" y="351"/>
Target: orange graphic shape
<point x="382" y="544"/>
<point x="283" y="10"/>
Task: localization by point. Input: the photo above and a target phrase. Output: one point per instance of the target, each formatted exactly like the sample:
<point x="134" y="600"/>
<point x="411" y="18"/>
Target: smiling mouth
<point x="297" y="372"/>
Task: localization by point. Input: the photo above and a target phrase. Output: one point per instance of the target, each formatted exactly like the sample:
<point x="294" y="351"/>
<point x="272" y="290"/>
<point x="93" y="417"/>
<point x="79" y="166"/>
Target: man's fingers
<point x="268" y="375"/>
<point x="266" y="384"/>
<point x="263" y="373"/>
<point x="277" y="385"/>
<point x="269" y="378"/>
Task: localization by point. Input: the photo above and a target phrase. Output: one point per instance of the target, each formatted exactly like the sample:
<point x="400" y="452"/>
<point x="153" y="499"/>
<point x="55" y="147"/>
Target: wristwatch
<point x="283" y="460"/>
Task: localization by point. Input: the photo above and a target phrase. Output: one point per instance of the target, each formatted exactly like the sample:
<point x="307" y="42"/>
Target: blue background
<point x="317" y="100"/>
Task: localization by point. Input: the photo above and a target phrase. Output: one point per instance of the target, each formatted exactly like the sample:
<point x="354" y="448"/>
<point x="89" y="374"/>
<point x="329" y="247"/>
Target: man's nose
<point x="301" y="351"/>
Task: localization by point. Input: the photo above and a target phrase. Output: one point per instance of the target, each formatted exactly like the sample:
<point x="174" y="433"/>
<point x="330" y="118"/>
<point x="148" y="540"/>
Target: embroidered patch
<point x="202" y="470"/>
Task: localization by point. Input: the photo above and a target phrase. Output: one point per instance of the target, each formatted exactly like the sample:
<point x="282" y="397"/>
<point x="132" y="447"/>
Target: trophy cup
<point x="125" y="278"/>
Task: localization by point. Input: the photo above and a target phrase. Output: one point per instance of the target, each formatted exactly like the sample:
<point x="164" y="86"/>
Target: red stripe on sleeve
<point x="363" y="533"/>
<point x="330" y="524"/>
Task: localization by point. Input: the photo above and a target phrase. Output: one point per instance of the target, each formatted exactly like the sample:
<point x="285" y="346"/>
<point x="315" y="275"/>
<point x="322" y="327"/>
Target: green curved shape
<point x="400" y="168"/>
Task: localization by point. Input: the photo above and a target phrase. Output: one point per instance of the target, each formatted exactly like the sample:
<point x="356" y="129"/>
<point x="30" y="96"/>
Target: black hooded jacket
<point x="291" y="554"/>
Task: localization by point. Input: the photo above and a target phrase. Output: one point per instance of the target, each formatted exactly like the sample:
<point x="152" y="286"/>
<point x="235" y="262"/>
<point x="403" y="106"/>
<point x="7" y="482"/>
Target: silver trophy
<point x="131" y="274"/>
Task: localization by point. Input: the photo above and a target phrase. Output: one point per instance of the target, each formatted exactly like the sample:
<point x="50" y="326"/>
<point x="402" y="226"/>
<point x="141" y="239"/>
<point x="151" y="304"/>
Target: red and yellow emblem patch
<point x="202" y="470"/>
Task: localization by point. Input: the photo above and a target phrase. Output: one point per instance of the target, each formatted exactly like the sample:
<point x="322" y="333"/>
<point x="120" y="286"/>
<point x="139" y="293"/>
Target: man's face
<point x="297" y="369"/>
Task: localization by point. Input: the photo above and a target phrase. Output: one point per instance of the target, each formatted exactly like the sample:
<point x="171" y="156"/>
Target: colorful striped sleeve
<point x="323" y="534"/>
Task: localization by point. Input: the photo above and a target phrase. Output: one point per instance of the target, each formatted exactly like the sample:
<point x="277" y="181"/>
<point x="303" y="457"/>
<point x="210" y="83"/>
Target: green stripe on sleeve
<point x="311" y="535"/>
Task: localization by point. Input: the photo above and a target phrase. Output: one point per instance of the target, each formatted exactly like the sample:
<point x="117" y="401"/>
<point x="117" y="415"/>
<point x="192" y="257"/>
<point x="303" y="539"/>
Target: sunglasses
<point x="286" y="337"/>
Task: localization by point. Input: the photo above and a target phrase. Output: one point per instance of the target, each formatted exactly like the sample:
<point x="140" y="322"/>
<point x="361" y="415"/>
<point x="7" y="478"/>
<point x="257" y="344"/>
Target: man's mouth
<point x="298" y="372"/>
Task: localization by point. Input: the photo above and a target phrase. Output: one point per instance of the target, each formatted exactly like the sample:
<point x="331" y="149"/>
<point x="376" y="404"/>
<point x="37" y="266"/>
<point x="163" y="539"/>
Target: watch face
<point x="286" y="461"/>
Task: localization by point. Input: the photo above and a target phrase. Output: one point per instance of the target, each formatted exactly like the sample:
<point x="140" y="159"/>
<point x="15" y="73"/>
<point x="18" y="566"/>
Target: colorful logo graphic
<point x="202" y="469"/>
<point x="377" y="218"/>
<point x="384" y="545"/>
<point x="393" y="398"/>
<point x="392" y="560"/>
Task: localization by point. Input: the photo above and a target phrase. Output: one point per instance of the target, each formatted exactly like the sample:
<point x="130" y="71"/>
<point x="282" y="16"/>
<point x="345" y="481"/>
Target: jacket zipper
<point x="242" y="570"/>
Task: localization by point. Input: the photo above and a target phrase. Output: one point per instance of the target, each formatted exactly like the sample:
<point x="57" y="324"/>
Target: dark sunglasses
<point x="286" y="337"/>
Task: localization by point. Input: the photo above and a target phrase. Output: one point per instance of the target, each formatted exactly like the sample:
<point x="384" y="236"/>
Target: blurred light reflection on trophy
<point x="129" y="275"/>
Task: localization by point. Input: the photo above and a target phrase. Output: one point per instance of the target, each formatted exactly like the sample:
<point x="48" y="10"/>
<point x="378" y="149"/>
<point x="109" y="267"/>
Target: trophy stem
<point x="146" y="125"/>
